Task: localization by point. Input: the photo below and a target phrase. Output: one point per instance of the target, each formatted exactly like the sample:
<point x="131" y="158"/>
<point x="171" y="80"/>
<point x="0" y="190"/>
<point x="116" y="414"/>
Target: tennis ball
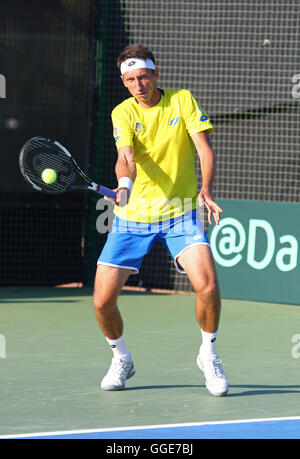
<point x="49" y="176"/>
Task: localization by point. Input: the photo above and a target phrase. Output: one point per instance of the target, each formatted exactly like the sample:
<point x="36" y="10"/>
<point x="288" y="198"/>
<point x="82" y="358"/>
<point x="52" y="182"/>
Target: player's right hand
<point x="122" y="197"/>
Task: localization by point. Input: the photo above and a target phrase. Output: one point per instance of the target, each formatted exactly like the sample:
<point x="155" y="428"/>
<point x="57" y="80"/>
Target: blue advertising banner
<point x="256" y="251"/>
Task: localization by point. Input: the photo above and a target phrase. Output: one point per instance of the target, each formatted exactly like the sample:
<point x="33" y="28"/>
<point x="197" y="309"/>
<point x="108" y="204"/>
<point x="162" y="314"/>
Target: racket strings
<point x="41" y="154"/>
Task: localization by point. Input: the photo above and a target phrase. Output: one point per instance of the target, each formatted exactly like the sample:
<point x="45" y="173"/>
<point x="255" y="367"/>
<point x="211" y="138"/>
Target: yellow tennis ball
<point x="49" y="176"/>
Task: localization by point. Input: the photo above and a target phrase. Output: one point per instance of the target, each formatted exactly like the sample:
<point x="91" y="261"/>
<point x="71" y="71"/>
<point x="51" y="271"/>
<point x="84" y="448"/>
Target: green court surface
<point x="53" y="357"/>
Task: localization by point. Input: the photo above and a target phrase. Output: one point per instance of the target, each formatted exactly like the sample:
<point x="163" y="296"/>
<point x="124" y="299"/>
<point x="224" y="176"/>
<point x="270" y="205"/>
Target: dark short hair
<point x="137" y="50"/>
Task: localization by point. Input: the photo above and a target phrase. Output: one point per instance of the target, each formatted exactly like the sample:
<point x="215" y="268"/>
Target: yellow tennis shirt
<point x="165" y="185"/>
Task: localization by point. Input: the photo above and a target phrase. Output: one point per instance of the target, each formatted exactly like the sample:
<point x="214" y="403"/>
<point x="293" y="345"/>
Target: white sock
<point x="119" y="348"/>
<point x="208" y="346"/>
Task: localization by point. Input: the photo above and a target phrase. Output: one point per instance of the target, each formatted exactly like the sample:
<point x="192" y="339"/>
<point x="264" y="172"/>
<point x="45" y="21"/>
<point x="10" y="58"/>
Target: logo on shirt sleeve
<point x="203" y="116"/>
<point x="115" y="134"/>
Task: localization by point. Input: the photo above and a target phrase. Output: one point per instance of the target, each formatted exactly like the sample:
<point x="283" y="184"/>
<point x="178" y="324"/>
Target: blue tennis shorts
<point x="128" y="242"/>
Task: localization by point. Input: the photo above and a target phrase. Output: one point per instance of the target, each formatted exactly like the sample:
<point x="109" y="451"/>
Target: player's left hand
<point x="205" y="199"/>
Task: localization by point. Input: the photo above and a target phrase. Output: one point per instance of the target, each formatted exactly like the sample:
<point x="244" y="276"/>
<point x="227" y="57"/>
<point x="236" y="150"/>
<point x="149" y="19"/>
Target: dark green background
<point x="270" y="284"/>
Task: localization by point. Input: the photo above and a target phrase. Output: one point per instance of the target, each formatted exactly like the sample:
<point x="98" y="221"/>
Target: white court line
<point x="159" y="426"/>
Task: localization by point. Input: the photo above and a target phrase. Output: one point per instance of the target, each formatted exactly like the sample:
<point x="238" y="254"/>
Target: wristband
<point x="125" y="182"/>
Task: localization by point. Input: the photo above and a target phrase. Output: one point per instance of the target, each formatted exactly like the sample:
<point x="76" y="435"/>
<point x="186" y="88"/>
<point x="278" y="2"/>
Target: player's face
<point x="141" y="83"/>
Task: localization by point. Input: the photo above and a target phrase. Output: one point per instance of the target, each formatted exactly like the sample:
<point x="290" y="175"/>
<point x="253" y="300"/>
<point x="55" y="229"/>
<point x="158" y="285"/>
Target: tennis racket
<point x="39" y="154"/>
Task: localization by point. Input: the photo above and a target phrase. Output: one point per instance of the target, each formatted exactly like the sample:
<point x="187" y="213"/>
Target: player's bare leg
<point x="197" y="261"/>
<point x="108" y="284"/>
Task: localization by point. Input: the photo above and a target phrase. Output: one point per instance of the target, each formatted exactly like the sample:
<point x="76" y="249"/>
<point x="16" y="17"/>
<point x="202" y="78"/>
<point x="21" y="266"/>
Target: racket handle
<point x="106" y="192"/>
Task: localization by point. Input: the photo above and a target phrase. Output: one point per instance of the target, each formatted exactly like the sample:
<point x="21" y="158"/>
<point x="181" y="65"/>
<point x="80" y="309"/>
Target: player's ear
<point x="123" y="80"/>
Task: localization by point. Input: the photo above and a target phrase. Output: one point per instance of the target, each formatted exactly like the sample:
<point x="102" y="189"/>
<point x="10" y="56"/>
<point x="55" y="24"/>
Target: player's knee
<point x="102" y="304"/>
<point x="206" y="288"/>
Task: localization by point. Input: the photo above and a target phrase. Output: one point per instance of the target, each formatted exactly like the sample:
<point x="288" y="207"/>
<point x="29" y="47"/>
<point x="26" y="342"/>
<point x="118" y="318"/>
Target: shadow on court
<point x="167" y="386"/>
<point x="15" y="294"/>
<point x="252" y="389"/>
<point x="14" y="301"/>
<point x="263" y="390"/>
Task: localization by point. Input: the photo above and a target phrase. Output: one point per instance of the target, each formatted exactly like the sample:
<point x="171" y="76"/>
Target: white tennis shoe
<point x="119" y="371"/>
<point x="215" y="378"/>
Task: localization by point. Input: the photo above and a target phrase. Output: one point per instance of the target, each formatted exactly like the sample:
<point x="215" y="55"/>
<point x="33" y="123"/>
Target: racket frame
<point x="91" y="185"/>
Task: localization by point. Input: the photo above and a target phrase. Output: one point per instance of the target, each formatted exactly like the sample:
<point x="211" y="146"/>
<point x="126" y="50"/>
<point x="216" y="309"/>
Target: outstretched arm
<point x="207" y="161"/>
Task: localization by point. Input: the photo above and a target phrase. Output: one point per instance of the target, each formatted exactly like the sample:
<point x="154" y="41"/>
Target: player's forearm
<point x="125" y="166"/>
<point x="207" y="161"/>
<point x="125" y="169"/>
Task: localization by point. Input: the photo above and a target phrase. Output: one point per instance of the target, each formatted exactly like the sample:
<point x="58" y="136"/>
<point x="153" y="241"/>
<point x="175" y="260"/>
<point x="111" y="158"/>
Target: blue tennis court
<point x="281" y="428"/>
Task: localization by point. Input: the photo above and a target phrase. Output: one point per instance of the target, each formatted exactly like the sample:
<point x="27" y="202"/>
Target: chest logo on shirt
<point x="174" y="121"/>
<point x="138" y="127"/>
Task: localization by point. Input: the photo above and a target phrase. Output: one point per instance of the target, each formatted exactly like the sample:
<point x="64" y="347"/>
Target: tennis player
<point x="157" y="133"/>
